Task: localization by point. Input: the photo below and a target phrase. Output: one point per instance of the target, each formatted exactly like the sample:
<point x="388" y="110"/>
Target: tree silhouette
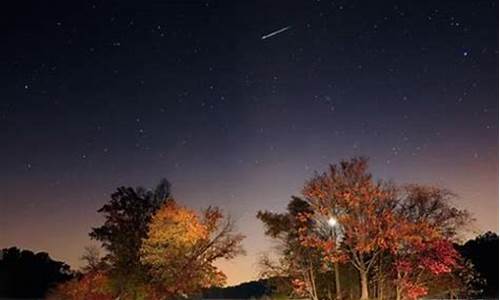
<point x="24" y="274"/>
<point x="483" y="253"/>
<point x="247" y="290"/>
<point x="298" y="266"/>
<point x="127" y="217"/>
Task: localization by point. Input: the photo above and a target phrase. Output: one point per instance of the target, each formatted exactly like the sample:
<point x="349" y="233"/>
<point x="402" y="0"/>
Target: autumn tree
<point x="93" y="285"/>
<point x="126" y="220"/>
<point x="363" y="208"/>
<point x="394" y="236"/>
<point x="182" y="246"/>
<point x="425" y="252"/>
<point x="300" y="267"/>
<point x="91" y="282"/>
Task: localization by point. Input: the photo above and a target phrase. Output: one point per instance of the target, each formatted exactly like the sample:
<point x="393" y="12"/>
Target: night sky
<point x="98" y="94"/>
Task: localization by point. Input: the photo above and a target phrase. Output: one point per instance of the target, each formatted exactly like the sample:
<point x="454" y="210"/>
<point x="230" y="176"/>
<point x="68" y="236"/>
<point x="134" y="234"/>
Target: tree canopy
<point x="126" y="219"/>
<point x="182" y="246"/>
<point x="404" y="232"/>
<point x="483" y="254"/>
<point x="25" y="274"/>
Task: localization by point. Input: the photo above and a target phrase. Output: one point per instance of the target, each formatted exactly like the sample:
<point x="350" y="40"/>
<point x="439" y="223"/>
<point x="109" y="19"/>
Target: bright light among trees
<point x="332" y="222"/>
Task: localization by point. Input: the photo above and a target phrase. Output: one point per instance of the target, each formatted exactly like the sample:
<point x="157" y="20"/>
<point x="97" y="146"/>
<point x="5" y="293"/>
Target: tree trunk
<point x="380" y="290"/>
<point x="338" y="292"/>
<point x="380" y="281"/>
<point x="315" y="292"/>
<point x="312" y="280"/>
<point x="398" y="289"/>
<point x="363" y="276"/>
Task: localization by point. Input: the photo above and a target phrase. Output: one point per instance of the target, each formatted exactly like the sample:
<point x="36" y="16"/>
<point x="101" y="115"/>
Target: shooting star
<point x="275" y="32"/>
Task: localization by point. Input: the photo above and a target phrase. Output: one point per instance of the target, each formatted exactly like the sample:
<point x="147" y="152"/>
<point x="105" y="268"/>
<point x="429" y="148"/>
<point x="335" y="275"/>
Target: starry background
<point x="97" y="94"/>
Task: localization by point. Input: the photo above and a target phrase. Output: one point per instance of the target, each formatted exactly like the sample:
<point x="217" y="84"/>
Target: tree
<point x="425" y="252"/>
<point x="399" y="237"/>
<point x="92" y="259"/>
<point x="24" y="274"/>
<point x="127" y="216"/>
<point x="421" y="265"/>
<point x="299" y="267"/>
<point x="93" y="285"/>
<point x="432" y="206"/>
<point x="482" y="252"/>
<point x="363" y="208"/>
<point x="182" y="246"/>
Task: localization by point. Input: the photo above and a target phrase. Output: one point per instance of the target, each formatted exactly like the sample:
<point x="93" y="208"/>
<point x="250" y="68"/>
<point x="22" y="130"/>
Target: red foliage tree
<point x="90" y="286"/>
<point x="413" y="227"/>
<point x="364" y="210"/>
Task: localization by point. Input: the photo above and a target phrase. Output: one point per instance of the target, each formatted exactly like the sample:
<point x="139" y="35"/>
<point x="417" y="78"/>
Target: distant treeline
<point x="246" y="290"/>
<point x="25" y="274"/>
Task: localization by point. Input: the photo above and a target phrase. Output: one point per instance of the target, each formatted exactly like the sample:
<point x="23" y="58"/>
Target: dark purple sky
<point x="97" y="94"/>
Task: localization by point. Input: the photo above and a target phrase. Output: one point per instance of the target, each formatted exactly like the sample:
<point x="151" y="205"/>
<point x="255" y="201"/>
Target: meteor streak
<point x="275" y="32"/>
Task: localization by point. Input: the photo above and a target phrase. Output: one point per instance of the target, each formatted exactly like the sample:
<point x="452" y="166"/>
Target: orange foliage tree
<point x="93" y="285"/>
<point x="363" y="209"/>
<point x="412" y="228"/>
<point x="182" y="246"/>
